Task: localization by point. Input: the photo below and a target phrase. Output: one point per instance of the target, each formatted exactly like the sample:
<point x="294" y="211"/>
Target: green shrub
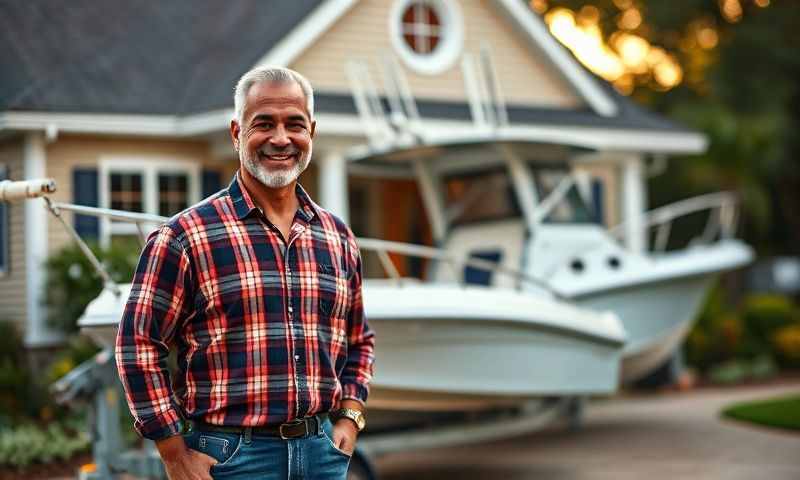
<point x="20" y="394"/>
<point x="78" y="349"/>
<point x="733" y="343"/>
<point x="740" y="370"/>
<point x="29" y="444"/>
<point x="787" y="345"/>
<point x="72" y="282"/>
<point x="763" y="316"/>
<point x="730" y="372"/>
<point x="763" y="367"/>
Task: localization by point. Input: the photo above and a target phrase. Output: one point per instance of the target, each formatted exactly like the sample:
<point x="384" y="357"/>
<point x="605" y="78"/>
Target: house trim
<point x="306" y="32"/>
<point x="34" y="164"/>
<point x="622" y="139"/>
<point x="524" y="18"/>
<point x="108" y="123"/>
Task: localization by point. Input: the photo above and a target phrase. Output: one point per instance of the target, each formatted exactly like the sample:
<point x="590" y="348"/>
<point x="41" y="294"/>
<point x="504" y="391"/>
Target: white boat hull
<point x="658" y="302"/>
<point x="459" y="348"/>
<point x="447" y="347"/>
<point x="657" y="318"/>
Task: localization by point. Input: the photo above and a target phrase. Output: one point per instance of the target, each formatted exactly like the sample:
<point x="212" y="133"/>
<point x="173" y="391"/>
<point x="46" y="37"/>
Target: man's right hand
<point x="183" y="463"/>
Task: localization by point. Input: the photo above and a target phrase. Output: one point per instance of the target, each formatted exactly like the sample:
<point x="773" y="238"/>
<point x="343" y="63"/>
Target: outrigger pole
<point x="29" y="189"/>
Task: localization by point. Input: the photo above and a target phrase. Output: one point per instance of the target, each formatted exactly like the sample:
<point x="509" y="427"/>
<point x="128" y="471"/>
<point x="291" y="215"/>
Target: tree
<point x="729" y="68"/>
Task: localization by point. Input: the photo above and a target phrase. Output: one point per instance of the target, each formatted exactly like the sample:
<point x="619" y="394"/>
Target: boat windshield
<point x="479" y="197"/>
<point x="570" y="208"/>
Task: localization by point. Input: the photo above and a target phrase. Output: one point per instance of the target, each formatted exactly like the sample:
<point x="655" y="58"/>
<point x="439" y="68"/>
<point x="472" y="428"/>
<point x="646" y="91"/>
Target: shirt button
<point x="297" y="357"/>
<point x="290" y="308"/>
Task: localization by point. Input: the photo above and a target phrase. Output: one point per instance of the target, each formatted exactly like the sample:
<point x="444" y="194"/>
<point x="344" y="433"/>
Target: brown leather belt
<point x="298" y="428"/>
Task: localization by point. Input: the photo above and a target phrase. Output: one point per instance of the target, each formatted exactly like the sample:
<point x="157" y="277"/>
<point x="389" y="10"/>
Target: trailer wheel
<point x="360" y="468"/>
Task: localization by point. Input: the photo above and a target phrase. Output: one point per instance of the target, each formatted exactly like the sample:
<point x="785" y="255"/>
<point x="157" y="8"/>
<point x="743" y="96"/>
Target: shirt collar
<point x="244" y="205"/>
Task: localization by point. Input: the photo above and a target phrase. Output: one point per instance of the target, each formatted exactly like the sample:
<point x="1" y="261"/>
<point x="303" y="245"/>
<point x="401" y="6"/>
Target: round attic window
<point x="427" y="34"/>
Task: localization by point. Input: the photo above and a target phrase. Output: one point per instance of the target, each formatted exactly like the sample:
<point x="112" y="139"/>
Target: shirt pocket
<point x="334" y="294"/>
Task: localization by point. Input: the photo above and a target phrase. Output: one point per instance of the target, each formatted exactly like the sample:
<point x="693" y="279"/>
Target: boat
<point x="455" y="347"/>
<point x="519" y="203"/>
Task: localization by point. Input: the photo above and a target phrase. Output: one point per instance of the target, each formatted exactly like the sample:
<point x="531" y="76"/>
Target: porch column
<point x="37" y="334"/>
<point x="634" y="203"/>
<point x="333" y="184"/>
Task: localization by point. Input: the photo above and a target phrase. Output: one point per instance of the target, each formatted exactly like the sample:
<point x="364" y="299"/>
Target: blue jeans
<point x="269" y="458"/>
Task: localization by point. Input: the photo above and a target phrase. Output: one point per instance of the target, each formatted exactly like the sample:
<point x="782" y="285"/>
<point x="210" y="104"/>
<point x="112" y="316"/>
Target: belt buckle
<point x="294" y="422"/>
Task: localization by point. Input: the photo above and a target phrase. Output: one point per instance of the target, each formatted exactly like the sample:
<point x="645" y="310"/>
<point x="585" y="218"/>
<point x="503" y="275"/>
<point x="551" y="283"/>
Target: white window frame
<point x="149" y="167"/>
<point x="451" y="37"/>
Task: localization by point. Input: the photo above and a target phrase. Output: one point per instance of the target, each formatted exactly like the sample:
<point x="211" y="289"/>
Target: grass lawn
<point x="782" y="412"/>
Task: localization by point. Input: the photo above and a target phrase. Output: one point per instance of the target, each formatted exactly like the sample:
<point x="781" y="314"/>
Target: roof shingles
<point x="135" y="57"/>
<point x="183" y="57"/>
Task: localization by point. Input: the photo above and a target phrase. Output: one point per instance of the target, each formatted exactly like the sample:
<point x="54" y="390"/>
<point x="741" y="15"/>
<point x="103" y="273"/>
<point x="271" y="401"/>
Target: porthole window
<point x="427" y="34"/>
<point x="421" y="28"/>
<point x="577" y="266"/>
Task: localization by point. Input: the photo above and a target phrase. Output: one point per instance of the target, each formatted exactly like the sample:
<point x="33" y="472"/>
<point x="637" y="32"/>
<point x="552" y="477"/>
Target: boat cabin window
<point x="571" y="207"/>
<point x="479" y="197"/>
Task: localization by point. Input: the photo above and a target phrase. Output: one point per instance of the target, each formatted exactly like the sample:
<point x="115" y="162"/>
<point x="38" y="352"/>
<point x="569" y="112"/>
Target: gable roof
<point x="180" y="59"/>
<point x="149" y="57"/>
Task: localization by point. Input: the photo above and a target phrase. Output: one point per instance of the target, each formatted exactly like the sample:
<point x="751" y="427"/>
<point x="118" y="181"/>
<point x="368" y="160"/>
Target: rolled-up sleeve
<point x="358" y="370"/>
<point x="155" y="309"/>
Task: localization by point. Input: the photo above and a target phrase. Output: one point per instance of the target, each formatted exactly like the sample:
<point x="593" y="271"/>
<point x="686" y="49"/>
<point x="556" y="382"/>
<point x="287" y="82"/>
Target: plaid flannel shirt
<point x="266" y="330"/>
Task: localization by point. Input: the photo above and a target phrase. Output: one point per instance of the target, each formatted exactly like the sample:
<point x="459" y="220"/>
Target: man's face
<point x="275" y="138"/>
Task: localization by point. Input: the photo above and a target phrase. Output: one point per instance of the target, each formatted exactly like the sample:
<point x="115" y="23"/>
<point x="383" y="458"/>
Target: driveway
<point x="664" y="436"/>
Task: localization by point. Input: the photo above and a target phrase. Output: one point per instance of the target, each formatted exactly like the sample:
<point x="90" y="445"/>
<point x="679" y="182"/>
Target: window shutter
<point x="85" y="192"/>
<point x="4" y="228"/>
<point x="212" y="182"/>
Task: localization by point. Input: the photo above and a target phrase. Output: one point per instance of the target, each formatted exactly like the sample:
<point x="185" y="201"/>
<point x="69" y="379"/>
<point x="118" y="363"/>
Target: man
<point x="259" y="289"/>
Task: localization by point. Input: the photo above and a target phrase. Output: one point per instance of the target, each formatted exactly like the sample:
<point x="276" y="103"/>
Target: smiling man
<point x="259" y="290"/>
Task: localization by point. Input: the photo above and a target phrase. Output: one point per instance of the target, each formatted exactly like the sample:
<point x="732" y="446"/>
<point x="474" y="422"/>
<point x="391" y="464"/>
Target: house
<point x="127" y="105"/>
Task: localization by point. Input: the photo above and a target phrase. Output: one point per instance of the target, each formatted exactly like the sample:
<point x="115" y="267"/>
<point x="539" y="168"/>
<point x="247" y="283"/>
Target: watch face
<point x="353" y="415"/>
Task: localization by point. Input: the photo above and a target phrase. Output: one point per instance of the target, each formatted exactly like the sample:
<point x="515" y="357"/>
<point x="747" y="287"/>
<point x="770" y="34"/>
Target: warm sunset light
<point x="731" y="10"/>
<point x="630" y="19"/>
<point x="625" y="55"/>
<point x="539" y="6"/>
<point x="707" y="38"/>
<point x="586" y="42"/>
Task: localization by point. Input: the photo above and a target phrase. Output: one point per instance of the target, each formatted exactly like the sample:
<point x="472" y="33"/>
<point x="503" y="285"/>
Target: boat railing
<point x="721" y="223"/>
<point x="145" y="222"/>
<point x="383" y="249"/>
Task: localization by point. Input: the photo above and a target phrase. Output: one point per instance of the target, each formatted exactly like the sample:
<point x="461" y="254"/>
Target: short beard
<point x="274" y="178"/>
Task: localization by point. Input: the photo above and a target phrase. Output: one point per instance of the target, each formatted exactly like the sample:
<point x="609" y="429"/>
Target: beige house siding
<point x="525" y="76"/>
<point x="12" y="282"/>
<point x="70" y="152"/>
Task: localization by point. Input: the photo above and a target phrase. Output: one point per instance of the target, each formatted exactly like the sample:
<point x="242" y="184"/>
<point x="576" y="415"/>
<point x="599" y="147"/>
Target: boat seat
<point x="499" y="241"/>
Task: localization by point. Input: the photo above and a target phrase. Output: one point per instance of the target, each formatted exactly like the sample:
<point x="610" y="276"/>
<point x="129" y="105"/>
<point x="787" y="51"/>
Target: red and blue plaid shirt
<point x="266" y="330"/>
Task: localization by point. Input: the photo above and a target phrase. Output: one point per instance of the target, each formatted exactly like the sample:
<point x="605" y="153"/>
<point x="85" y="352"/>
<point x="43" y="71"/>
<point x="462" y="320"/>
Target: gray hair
<point x="268" y="74"/>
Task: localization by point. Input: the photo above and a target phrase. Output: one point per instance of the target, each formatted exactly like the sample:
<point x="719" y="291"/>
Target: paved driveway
<point x="665" y="436"/>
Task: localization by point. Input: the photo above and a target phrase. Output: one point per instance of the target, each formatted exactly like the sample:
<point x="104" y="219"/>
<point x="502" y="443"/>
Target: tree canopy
<point x="730" y="68"/>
